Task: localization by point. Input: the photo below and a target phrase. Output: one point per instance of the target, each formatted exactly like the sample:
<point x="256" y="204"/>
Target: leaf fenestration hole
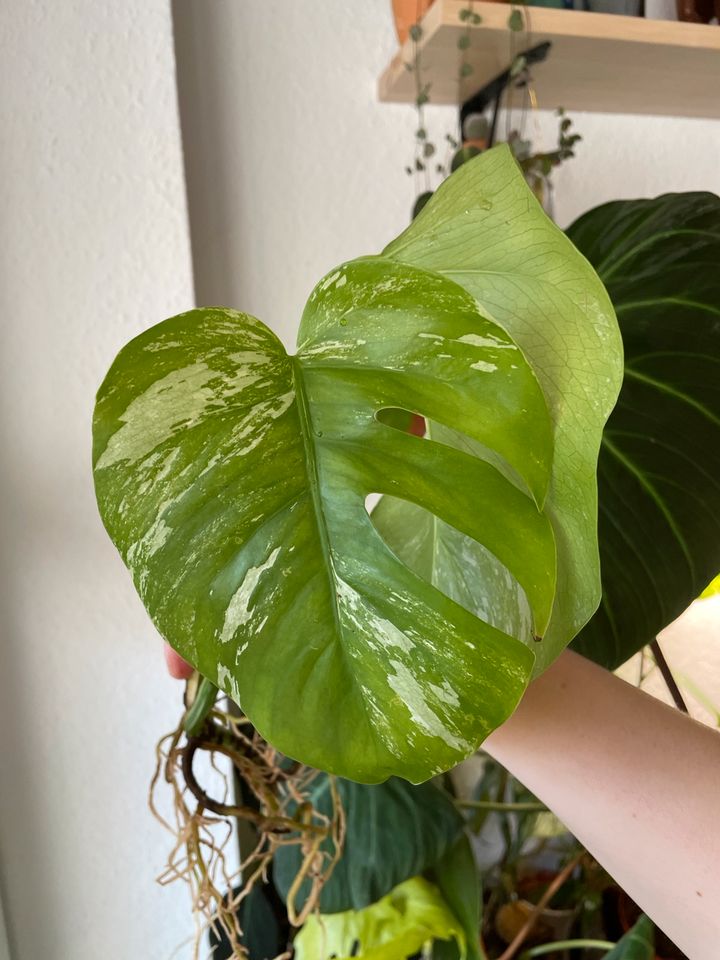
<point x="406" y="421"/>
<point x="458" y="566"/>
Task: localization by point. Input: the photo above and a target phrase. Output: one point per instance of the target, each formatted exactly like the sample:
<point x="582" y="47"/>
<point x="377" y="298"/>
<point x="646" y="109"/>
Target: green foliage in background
<point x="659" y="469"/>
<point x="394" y="928"/>
<point x="394" y="831"/>
<point x="637" y="944"/>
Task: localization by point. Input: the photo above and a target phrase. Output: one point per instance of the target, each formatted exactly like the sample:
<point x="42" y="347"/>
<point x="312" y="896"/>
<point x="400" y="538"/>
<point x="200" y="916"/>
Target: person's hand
<point x="178" y="668"/>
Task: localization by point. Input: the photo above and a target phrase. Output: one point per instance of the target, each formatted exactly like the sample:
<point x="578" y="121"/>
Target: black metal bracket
<point x="492" y="92"/>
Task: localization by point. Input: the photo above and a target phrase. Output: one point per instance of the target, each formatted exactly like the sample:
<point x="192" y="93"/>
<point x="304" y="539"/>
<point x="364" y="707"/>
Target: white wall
<point x="293" y="167"/>
<point x="93" y="248"/>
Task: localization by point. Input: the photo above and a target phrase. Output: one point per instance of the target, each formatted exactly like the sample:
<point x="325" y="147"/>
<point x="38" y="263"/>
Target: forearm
<point x="636" y="781"/>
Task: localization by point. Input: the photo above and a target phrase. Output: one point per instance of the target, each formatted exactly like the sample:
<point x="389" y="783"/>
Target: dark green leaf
<point x="659" y="470"/>
<point x="416" y="32"/>
<point x="203" y="703"/>
<point x="428" y="149"/>
<point x="463" y="41"/>
<point x="458" y="880"/>
<point x="466" y="69"/>
<point x="394" y="831"/>
<point x="637" y="944"/>
<point x="462" y="156"/>
<point x="420" y="202"/>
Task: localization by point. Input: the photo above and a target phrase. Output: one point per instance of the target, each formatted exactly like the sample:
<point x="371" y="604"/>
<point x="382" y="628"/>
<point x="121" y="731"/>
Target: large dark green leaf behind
<point x="394" y="831"/>
<point x="458" y="879"/>
<point x="659" y="467"/>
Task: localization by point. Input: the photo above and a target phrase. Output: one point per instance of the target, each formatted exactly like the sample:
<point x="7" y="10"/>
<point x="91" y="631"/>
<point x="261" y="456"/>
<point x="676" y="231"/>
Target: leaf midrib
<point x="313" y="478"/>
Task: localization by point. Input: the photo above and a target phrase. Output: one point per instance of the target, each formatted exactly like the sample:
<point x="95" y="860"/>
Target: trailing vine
<point x="471" y="138"/>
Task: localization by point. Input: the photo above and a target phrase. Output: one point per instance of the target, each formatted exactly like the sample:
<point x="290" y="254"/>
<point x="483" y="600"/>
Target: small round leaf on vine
<point x="516" y="21"/>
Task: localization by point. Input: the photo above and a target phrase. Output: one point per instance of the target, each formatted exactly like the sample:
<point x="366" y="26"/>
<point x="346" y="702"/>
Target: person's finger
<point x="178" y="668"/>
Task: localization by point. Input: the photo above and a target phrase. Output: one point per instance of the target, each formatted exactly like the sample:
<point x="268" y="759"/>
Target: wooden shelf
<point x="598" y="62"/>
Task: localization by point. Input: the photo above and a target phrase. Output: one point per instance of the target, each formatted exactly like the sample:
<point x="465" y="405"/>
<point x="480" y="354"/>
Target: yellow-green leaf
<point x="394" y="928"/>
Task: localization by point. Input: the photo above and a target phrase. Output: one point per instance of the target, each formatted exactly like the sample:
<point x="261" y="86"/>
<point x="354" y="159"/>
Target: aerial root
<point x="276" y="803"/>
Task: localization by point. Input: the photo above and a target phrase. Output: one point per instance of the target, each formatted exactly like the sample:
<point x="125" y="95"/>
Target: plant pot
<point x="406" y="13"/>
<point x="551" y="925"/>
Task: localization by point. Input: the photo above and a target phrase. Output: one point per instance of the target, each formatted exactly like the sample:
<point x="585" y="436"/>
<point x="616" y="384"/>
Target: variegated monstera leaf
<point x="233" y="479"/>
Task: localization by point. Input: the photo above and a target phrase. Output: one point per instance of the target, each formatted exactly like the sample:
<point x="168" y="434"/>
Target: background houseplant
<point x="477" y="132"/>
<point x="122" y="429"/>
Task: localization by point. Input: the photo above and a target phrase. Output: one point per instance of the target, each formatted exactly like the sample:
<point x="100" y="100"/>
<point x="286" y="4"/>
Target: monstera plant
<point x="362" y="643"/>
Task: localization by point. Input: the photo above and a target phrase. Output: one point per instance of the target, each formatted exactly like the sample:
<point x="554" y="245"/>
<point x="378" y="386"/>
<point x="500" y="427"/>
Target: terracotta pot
<point x="408" y="12"/>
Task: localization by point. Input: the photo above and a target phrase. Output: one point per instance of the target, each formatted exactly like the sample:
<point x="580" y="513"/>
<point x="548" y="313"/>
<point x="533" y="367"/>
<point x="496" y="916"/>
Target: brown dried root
<point x="282" y="813"/>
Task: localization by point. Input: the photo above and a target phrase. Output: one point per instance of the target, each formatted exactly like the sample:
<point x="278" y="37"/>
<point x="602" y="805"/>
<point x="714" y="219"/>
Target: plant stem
<point x="567" y="945"/>
<point x="502" y="807"/>
<point x="200" y="707"/>
<point x="537" y="910"/>
<point x="277" y="824"/>
<point x="667" y="676"/>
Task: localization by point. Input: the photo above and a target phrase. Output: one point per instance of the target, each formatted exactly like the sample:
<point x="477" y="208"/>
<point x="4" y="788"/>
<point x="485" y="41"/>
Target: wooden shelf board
<point x="598" y="62"/>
